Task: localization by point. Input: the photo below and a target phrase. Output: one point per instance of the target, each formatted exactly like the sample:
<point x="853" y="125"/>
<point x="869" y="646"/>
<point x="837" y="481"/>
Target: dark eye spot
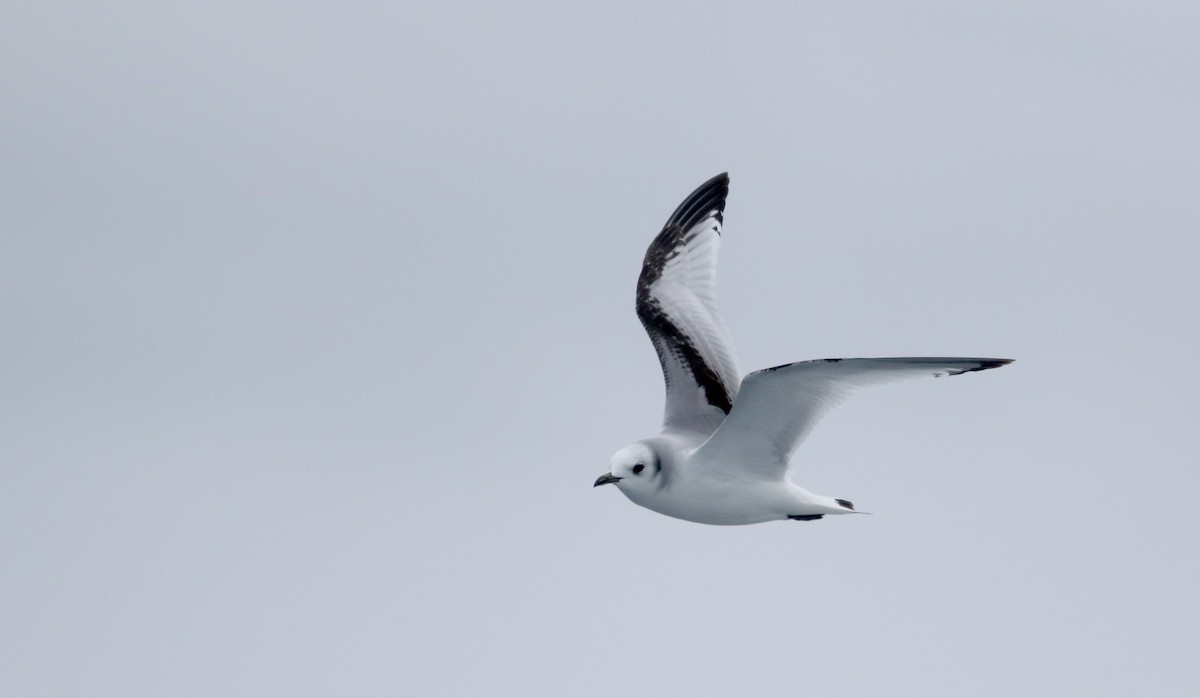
<point x="637" y="469"/>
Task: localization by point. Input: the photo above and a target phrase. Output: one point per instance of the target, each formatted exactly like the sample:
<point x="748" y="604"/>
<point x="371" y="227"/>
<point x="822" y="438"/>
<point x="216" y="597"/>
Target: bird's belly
<point x="718" y="504"/>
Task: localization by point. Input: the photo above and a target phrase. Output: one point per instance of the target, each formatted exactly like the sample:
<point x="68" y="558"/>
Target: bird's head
<point x="633" y="468"/>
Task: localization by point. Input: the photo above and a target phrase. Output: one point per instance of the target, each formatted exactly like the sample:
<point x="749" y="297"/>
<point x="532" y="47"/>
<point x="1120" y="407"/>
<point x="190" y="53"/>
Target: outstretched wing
<point x="677" y="305"/>
<point x="778" y="407"/>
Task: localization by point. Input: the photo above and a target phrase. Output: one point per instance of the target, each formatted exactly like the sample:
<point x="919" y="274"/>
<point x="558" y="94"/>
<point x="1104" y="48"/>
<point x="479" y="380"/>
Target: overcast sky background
<point x="316" y="326"/>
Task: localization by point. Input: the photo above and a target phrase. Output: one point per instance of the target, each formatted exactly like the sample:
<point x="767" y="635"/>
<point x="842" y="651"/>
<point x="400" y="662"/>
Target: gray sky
<point x="316" y="326"/>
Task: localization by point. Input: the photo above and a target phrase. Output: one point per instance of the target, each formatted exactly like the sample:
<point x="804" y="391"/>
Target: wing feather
<point x="676" y="303"/>
<point x="777" y="407"/>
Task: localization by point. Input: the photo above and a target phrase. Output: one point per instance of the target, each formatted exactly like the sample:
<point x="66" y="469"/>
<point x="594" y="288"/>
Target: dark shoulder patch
<point x="671" y="343"/>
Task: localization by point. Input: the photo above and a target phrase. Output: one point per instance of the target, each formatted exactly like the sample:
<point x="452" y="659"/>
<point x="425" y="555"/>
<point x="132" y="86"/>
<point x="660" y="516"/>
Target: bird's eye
<point x="638" y="468"/>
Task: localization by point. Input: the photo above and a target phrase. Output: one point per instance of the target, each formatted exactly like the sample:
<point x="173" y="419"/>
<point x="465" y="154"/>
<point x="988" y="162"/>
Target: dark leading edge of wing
<point x="949" y="365"/>
<point x="670" y="341"/>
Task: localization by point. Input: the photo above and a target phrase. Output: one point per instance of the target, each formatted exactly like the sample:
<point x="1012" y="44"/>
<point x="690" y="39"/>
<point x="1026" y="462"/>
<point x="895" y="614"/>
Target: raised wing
<point x="778" y="407"/>
<point x="677" y="305"/>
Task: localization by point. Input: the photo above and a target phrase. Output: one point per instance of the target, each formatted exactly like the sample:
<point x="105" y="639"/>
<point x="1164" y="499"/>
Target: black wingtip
<point x="845" y="503"/>
<point x="707" y="197"/>
<point x="985" y="364"/>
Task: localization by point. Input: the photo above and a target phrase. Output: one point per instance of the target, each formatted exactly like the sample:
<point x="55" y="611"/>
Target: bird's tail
<point x="843" y="506"/>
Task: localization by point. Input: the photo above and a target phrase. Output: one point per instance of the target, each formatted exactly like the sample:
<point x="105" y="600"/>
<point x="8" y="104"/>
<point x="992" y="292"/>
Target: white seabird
<point x="722" y="455"/>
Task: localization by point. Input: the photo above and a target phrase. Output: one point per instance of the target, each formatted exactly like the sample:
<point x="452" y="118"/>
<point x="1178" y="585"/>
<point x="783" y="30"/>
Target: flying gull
<point x="722" y="455"/>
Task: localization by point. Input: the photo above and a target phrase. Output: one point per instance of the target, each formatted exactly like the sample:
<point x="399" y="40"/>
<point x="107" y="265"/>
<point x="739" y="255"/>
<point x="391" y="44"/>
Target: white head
<point x="634" y="469"/>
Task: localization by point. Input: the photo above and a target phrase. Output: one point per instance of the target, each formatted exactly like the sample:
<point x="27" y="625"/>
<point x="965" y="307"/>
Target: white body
<point x="731" y="499"/>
